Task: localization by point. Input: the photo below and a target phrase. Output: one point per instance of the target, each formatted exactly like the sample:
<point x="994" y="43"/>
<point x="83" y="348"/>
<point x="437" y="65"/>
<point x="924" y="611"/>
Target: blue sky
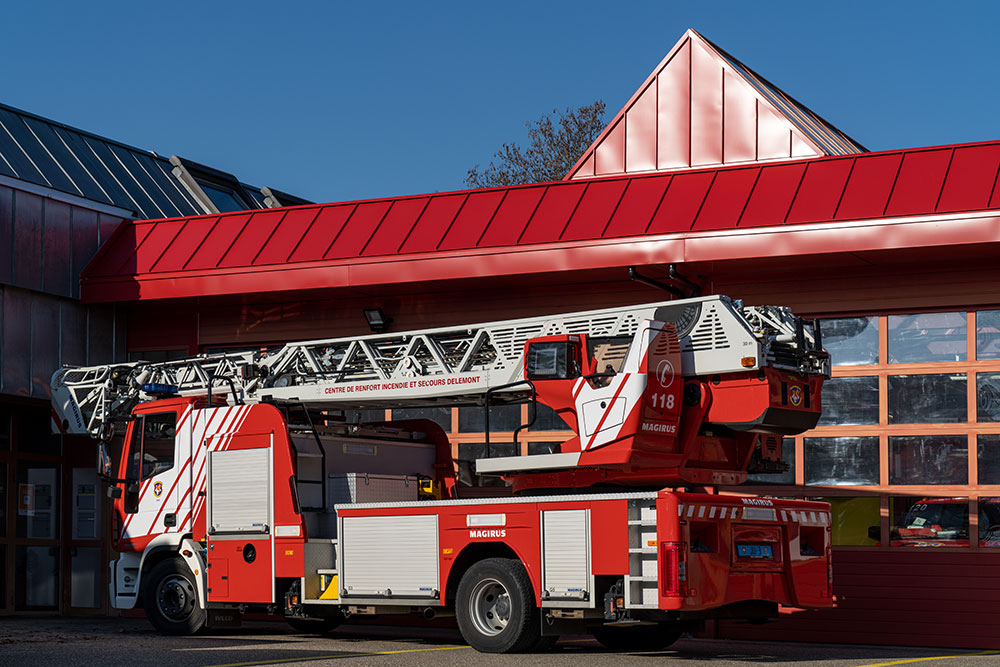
<point x="335" y="101"/>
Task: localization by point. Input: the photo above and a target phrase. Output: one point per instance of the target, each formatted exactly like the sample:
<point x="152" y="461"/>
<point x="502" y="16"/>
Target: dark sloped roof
<point x="541" y="228"/>
<point x="53" y="155"/>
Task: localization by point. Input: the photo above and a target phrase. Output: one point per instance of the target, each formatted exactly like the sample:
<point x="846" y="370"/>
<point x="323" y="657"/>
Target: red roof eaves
<point x="840" y="236"/>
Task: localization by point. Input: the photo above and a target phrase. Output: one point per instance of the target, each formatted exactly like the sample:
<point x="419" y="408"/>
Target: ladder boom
<point x="441" y="366"/>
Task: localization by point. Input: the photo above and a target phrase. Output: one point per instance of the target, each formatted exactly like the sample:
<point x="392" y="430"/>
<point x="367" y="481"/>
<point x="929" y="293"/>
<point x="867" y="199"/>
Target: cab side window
<point x="158" y="433"/>
<point x="151" y="450"/>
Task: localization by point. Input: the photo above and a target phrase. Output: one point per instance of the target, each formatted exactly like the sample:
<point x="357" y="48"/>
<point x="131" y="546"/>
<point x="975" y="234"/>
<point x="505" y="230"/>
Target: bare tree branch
<point x="555" y="142"/>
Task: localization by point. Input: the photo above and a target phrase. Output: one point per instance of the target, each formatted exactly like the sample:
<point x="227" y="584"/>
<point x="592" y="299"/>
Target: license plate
<point x="754" y="551"/>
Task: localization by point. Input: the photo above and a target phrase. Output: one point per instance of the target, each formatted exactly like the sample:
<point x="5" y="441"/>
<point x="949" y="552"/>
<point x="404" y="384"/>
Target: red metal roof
<point x="697" y="215"/>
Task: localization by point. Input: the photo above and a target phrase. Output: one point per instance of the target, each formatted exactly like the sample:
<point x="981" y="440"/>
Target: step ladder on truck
<point x="247" y="483"/>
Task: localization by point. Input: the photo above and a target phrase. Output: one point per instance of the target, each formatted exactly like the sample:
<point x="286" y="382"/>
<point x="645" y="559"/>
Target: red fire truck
<point x="248" y="484"/>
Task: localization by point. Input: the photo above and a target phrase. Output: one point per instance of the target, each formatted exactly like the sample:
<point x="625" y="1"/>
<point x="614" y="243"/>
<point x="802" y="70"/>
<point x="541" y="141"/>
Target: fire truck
<point x="248" y="482"/>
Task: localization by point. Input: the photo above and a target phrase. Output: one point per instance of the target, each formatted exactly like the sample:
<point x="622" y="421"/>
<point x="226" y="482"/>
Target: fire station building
<point x="708" y="167"/>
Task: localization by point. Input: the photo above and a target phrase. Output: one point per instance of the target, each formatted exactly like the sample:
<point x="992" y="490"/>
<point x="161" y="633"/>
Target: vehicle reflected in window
<point x="929" y="522"/>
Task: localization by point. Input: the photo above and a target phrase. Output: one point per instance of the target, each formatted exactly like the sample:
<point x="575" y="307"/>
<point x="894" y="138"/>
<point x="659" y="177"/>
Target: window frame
<point x="971" y="429"/>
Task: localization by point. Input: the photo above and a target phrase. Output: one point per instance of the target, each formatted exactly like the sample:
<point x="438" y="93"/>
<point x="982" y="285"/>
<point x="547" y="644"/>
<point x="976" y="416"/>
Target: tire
<point x="313" y="626"/>
<point x="496" y="608"/>
<point x="170" y="598"/>
<point x="638" y="637"/>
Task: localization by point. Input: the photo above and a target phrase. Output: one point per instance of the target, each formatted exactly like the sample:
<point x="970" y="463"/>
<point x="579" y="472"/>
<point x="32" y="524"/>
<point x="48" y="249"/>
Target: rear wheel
<point x="638" y="637"/>
<point x="170" y="599"/>
<point x="496" y="607"/>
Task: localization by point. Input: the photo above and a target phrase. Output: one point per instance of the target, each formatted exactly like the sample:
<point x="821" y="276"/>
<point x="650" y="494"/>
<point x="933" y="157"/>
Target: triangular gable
<point x="701" y="107"/>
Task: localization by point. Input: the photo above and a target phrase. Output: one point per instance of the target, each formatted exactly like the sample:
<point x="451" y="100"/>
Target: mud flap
<point x="224" y="619"/>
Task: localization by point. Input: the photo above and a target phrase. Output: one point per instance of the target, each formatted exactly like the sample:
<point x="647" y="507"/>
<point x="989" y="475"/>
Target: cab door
<point x="240" y="520"/>
<point x="153" y="497"/>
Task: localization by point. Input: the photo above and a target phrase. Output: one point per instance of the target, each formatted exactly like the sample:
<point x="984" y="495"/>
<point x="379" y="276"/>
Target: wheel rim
<point x="175" y="598"/>
<point x="491" y="607"/>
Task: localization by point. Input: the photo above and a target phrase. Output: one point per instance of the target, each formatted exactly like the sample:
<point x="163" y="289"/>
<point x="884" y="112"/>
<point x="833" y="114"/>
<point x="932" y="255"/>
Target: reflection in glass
<point x="926" y="337"/>
<point x="851" y="518"/>
<point x="503" y="418"/>
<point x="440" y="415"/>
<point x="929" y="522"/>
<point x="988" y="334"/>
<point x="928" y="459"/>
<point x="837" y="461"/>
<point x="37" y="584"/>
<point x="851" y="341"/>
<point x="547" y="419"/>
<point x="927" y="399"/>
<point x="225" y="199"/>
<point x="38" y="500"/>
<point x="543" y="448"/>
<point x="988" y="397"/>
<point x="989" y="522"/>
<point x="989" y="458"/>
<point x="787" y="457"/>
<point x="850" y="401"/>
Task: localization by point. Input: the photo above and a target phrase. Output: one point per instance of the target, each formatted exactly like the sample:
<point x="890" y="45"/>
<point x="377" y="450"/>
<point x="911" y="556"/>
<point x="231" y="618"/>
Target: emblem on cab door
<point x="158" y="489"/>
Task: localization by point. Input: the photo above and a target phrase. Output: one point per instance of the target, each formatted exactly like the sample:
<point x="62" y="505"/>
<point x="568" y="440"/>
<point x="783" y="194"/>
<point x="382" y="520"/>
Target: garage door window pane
<point x="547" y="420"/>
<point x="787" y="457"/>
<point x="989" y="522"/>
<point x="503" y="419"/>
<point x="927" y="399"/>
<point x="989" y="458"/>
<point x="851" y="519"/>
<point x="988" y="397"/>
<point x="929" y="522"/>
<point x="928" y="459"/>
<point x="850" y="401"/>
<point x="440" y="415"/>
<point x="837" y="461"/>
<point x="926" y="337"/>
<point x="988" y="334"/>
<point x="851" y="340"/>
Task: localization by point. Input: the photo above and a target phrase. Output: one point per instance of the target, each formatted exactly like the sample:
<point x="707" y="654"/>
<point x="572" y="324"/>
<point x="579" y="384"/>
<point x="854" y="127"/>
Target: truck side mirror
<point x="103" y="461"/>
<point x="875" y="533"/>
<point x="132" y="498"/>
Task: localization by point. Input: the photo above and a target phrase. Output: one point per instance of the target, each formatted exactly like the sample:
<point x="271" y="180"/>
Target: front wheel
<point x="652" y="637"/>
<point x="170" y="598"/>
<point x="496" y="607"/>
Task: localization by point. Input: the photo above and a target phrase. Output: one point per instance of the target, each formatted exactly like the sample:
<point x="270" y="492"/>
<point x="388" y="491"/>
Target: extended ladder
<point x="442" y="366"/>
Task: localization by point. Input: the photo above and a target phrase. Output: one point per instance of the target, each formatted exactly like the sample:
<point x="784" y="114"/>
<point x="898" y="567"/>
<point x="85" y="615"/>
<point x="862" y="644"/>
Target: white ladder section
<point x="451" y="365"/>
<point x="442" y="366"/>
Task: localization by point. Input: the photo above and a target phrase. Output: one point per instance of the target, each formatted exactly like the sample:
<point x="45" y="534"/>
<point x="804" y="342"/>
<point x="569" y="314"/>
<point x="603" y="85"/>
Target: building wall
<point x="53" y="515"/>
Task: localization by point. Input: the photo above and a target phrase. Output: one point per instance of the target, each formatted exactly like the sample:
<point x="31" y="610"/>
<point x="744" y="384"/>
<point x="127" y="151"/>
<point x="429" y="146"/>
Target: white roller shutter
<point x="239" y="491"/>
<point x="566" y="554"/>
<point x="393" y="556"/>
